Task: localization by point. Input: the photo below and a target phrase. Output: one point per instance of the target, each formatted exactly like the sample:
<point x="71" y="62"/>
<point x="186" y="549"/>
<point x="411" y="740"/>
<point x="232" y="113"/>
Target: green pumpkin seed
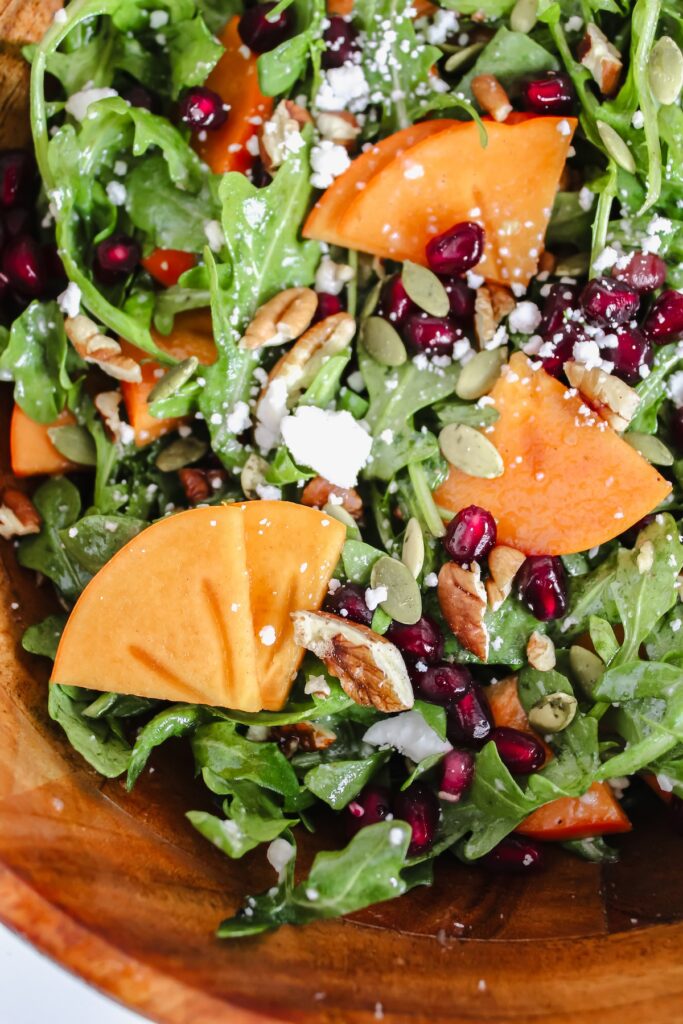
<point x="586" y="668"/>
<point x="339" y="513"/>
<point x="371" y="300"/>
<point x="425" y="289"/>
<point x="650" y="447"/>
<point x="413" y="551"/>
<point x="524" y="15"/>
<point x="173" y="380"/>
<point x="253" y="475"/>
<point x="463" y="56"/>
<point x="665" y="71"/>
<point x="616" y="147"/>
<point x="179" y="453"/>
<point x="468" y="450"/>
<point x="383" y="342"/>
<point x="554" y="712"/>
<point x="404" y="601"/>
<point x="479" y="375"/>
<point x="75" y="444"/>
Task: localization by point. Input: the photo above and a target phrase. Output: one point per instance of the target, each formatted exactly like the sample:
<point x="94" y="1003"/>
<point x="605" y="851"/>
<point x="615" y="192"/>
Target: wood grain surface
<point x="119" y="888"/>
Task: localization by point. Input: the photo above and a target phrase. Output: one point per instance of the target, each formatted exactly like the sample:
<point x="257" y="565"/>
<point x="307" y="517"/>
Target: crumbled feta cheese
<point x="443" y="25"/>
<point x="638" y="119"/>
<point x="676" y="388"/>
<point x="574" y="24"/>
<point x="587" y="353"/>
<point x="431" y="579"/>
<point x="524" y="318"/>
<point x="116" y="193"/>
<point x="344" y="88"/>
<point x="268" y="492"/>
<point x="586" y="198"/>
<point x="328" y="161"/>
<point x="70" y="300"/>
<point x="331" y="277"/>
<point x="267" y="636"/>
<point x="60" y="17"/>
<point x="564" y="127"/>
<point x="78" y="104"/>
<point x="409" y="734"/>
<point x="214" y="235"/>
<point x="606" y="259"/>
<point x="279" y="854"/>
<point x="374" y="597"/>
<point x="355" y="381"/>
<point x="157" y="19"/>
<point x="120" y="168"/>
<point x="272" y="409"/>
<point x="317" y="686"/>
<point x="239" y="419"/>
<point x="331" y="443"/>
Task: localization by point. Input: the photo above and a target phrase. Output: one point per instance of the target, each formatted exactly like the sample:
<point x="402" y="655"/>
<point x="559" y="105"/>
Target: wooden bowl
<point x="119" y="888"/>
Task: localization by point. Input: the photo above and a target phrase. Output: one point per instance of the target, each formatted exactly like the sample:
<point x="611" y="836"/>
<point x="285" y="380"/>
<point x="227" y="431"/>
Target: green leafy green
<point x="36" y="360"/>
<point x="93" y="540"/>
<point x="43" y="638"/>
<point x="59" y="503"/>
<point x="338" y="782"/>
<point x="175" y="721"/>
<point x="511" y="57"/>
<point x="280" y="68"/>
<point x="232" y="757"/>
<point x="94" y="740"/>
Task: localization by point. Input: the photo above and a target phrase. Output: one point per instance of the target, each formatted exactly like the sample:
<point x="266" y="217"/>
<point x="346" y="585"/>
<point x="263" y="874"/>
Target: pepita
<point x="586" y="668"/>
<point x="463" y="56"/>
<point x="478" y="376"/>
<point x="253" y="475"/>
<point x="173" y="380"/>
<point x="74" y="443"/>
<point x="413" y="550"/>
<point x="468" y="450"/>
<point x="616" y="147"/>
<point x="179" y="453"/>
<point x="650" y="447"/>
<point x="339" y="513"/>
<point x="425" y="289"/>
<point x="553" y="713"/>
<point x="404" y="601"/>
<point x="371" y="300"/>
<point x="665" y="71"/>
<point x="383" y="342"/>
<point x="524" y="15"/>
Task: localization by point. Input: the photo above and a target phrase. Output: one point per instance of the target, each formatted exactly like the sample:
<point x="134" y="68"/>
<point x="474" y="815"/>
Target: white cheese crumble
<point x="374" y="597"/>
<point x="116" y="193"/>
<point x="343" y="88"/>
<point x="239" y="419"/>
<point x="586" y="198"/>
<point x="638" y="119"/>
<point x="70" y="300"/>
<point x="254" y="211"/>
<point x="158" y="19"/>
<point x="60" y="17"/>
<point x="268" y="492"/>
<point x="676" y="388"/>
<point x="328" y="161"/>
<point x="214" y="235"/>
<point x="409" y="734"/>
<point x="331" y="443"/>
<point x="524" y="318"/>
<point x="78" y="104"/>
<point x="317" y="686"/>
<point x="331" y="277"/>
<point x="271" y="411"/>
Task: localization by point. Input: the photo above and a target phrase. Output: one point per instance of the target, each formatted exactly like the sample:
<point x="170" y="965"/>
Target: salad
<point x="346" y="354"/>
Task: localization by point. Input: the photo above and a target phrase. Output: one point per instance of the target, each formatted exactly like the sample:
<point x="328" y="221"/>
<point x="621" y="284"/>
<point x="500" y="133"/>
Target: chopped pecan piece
<point x="318" y="492"/>
<point x="602" y="59"/>
<point x="491" y="96"/>
<point x="493" y="302"/>
<point x="97" y="348"/>
<point x="283" y="318"/>
<point x="504" y="564"/>
<point x="540" y="650"/>
<point x="612" y="399"/>
<point x="18" y="515"/>
<point x="305" y="736"/>
<point x="462" y="598"/>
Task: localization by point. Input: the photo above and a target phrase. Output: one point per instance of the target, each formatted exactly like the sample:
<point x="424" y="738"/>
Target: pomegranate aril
<point x="260" y="33"/>
<point x="645" y="271"/>
<point x="17" y="176"/>
<point x="553" y="93"/>
<point x="258" y="174"/>
<point x="22" y="264"/>
<point x="560" y="298"/>
<point x="328" y="305"/>
<point x="542" y="587"/>
<point x="609" y="302"/>
<point x="419" y="807"/>
<point x="457" y="774"/>
<point x="514" y="854"/>
<point x="203" y="109"/>
<point x="349" y="602"/>
<point x="470" y="535"/>
<point x="4" y="286"/>
<point x="520" y="752"/>
<point x="340" y="42"/>
<point x="665" y="319"/>
<point x="433" y="335"/>
<point x="118" y="255"/>
<point x="559" y="348"/>
<point x="461" y="298"/>
<point x="469" y="718"/>
<point x="394" y="304"/>
<point x="440" y="684"/>
<point x="372" y="804"/>
<point x="422" y="640"/>
<point x="633" y="351"/>
<point x="456" y="250"/>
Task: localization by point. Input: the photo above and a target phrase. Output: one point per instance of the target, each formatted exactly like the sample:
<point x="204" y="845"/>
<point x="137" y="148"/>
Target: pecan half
<point x="492" y="303"/>
<point x="504" y="564"/>
<point x="462" y="598"/>
<point x="491" y="96"/>
<point x="369" y="667"/>
<point x="317" y="493"/>
<point x="281" y="133"/>
<point x="107" y="404"/>
<point x="283" y="318"/>
<point x="200" y="484"/>
<point x="612" y="399"/>
<point x="305" y="736"/>
<point x="540" y="650"/>
<point x="97" y="348"/>
<point x="602" y="59"/>
<point x="18" y="515"/>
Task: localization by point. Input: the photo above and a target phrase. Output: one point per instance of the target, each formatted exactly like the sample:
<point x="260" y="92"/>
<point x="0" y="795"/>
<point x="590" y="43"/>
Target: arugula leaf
<point x="595" y="850"/>
<point x="43" y="638"/>
<point x="227" y="754"/>
<point x="510" y="56"/>
<point x="280" y="69"/>
<point x="59" y="503"/>
<point x="665" y="642"/>
<point x="604" y="641"/>
<point x="93" y="540"/>
<point x="94" y="740"/>
<point x="652" y="392"/>
<point x="252" y="817"/>
<point x="177" y="720"/>
<point x="358" y="559"/>
<point x="338" y="782"/>
<point x="336" y="703"/>
<point x="170" y="217"/>
<point x="36" y="360"/>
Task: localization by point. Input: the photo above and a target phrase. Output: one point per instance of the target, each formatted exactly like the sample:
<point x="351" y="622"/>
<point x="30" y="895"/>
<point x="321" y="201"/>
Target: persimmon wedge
<point x="292" y="551"/>
<point x="596" y="813"/>
<point x="169" y="616"/>
<point x="508" y="186"/>
<point x="570" y="482"/>
<point x="192" y="335"/>
<point x="32" y="453"/>
<point x="235" y="79"/>
<point x="167" y="265"/>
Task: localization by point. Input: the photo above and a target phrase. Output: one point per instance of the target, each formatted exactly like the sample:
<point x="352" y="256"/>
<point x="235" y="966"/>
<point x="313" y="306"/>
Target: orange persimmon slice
<point x="31" y="450"/>
<point x="167" y="265"/>
<point x="169" y="616"/>
<point x="570" y="482"/>
<point x="292" y="551"/>
<point x="235" y="79"/>
<point x="192" y="335"/>
<point x="597" y="812"/>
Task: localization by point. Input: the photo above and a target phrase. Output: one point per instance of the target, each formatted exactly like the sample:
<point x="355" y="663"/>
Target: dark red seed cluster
<point x="542" y="587"/>
<point x="115" y="258"/>
<point x="471" y="534"/>
<point x="551" y="94"/>
<point x="261" y="32"/>
<point x="202" y="109"/>
<point x="340" y="38"/>
<point x="417" y="805"/>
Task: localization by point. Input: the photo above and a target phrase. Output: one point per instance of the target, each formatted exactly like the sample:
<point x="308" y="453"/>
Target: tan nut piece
<point x="97" y="348"/>
<point x="18" y="515"/>
<point x="283" y="318"/>
<point x="540" y="651"/>
<point x="504" y="564"/>
<point x="462" y="598"/>
<point x="491" y="96"/>
<point x="602" y="59"/>
<point x="612" y="399"/>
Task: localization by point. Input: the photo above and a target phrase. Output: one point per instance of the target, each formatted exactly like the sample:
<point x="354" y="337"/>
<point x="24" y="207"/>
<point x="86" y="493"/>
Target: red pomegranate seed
<point x="22" y="264"/>
<point x="470" y="535"/>
<point x="609" y="302"/>
<point x="469" y="718"/>
<point x="514" y="854"/>
<point x="520" y="752"/>
<point x="645" y="271"/>
<point x="456" y="250"/>
<point x="419" y="807"/>
<point x="433" y="335"/>
<point x="17" y="176"/>
<point x="457" y="774"/>
<point x="202" y="108"/>
<point x="4" y="286"/>
<point x="373" y="804"/>
<point x="632" y="352"/>
<point x="665" y="319"/>
<point x="340" y="42"/>
<point x="394" y="304"/>
<point x="440" y="684"/>
<point x="260" y="33"/>
<point x="138" y="96"/>
<point x="461" y="298"/>
<point x="542" y="587"/>
<point x="328" y="305"/>
<point x="118" y="254"/>
<point x="561" y="345"/>
<point x="553" y="93"/>
<point x="349" y="602"/>
<point x="421" y="640"/>
<point x="560" y="298"/>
